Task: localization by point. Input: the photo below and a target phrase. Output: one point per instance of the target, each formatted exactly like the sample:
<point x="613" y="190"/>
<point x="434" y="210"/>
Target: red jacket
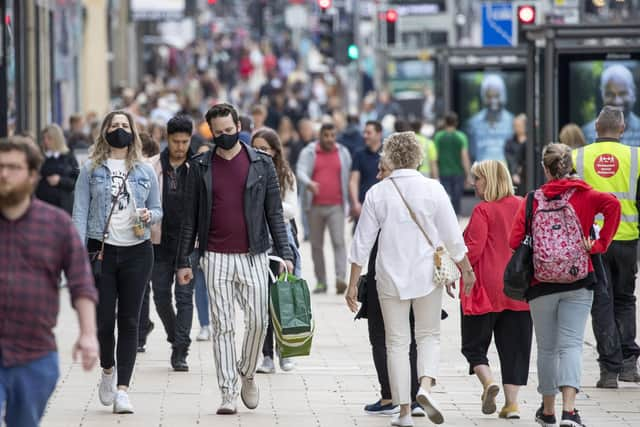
<point x="587" y="203"/>
<point x="487" y="240"/>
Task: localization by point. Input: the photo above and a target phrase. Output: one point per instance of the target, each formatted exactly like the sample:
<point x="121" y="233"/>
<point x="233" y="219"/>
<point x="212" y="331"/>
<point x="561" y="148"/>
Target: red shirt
<point x="487" y="240"/>
<point x="587" y="203"/>
<point x="228" y="231"/>
<point x="35" y="248"/>
<point x="327" y="173"/>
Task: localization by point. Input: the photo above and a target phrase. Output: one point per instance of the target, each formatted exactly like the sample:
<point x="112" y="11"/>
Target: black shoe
<point x="629" y="371"/>
<point x="545" y="420"/>
<point x="571" y="419"/>
<point x="141" y="348"/>
<point x="150" y="327"/>
<point x="607" y="379"/>
<point x="179" y="359"/>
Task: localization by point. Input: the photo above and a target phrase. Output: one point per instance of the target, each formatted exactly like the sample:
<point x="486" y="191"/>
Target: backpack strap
<point x="529" y="213"/>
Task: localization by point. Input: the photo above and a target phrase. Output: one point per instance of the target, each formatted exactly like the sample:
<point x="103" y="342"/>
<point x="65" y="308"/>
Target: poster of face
<point x="486" y="103"/>
<point x="596" y="83"/>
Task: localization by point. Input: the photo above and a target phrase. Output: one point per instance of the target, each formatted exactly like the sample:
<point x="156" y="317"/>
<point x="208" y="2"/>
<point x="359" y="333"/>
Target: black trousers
<point x="125" y="273"/>
<point x="614" y="307"/>
<point x="267" y="347"/>
<point x="144" y="323"/>
<point x="377" y="336"/>
<point x="512" y="330"/>
<point x="177" y="323"/>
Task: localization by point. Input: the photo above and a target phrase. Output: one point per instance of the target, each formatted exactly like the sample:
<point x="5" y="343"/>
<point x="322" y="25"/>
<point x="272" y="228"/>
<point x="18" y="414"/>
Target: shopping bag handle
<point x="280" y="261"/>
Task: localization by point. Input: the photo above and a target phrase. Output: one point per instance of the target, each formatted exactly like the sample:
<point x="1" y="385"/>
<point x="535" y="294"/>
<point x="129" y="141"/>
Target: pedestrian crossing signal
<point x="353" y="52"/>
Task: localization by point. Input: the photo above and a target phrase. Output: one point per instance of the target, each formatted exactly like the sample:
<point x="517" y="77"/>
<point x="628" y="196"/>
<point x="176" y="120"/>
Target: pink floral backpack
<point x="559" y="255"/>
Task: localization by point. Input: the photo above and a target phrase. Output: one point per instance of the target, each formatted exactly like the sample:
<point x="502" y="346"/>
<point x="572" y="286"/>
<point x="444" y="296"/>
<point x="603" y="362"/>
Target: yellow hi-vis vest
<point x="612" y="167"/>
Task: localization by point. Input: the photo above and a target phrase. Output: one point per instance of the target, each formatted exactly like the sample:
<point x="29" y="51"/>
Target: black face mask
<point x="226" y="141"/>
<point x="119" y="138"/>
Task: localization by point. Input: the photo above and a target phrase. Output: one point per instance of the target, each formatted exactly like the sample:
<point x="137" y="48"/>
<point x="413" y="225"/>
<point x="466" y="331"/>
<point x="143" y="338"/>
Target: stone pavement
<point x="327" y="389"/>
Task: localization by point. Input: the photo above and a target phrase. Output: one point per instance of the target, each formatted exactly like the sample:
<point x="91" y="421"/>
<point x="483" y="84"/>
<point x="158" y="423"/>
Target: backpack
<point x="559" y="255"/>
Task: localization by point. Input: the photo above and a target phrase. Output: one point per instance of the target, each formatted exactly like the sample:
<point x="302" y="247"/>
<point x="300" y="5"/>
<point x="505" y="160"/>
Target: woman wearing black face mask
<point x="116" y="200"/>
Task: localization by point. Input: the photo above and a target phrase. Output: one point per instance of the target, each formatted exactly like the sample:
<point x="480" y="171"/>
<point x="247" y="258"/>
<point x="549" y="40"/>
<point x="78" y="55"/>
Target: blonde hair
<point x="100" y="151"/>
<point x="572" y="135"/>
<point x="402" y="151"/>
<point x="557" y="159"/>
<point x="497" y="177"/>
<point x="54" y="132"/>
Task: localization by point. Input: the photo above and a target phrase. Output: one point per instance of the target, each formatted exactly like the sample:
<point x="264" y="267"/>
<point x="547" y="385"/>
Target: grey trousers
<point x="559" y="321"/>
<point x="321" y="217"/>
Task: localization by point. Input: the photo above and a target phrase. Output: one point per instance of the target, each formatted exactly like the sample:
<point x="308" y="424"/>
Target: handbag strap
<point x="412" y="214"/>
<point x="114" y="201"/>
<point x="529" y="213"/>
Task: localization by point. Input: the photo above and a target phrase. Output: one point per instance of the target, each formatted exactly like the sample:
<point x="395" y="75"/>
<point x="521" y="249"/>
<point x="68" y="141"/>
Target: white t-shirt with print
<point x="124" y="214"/>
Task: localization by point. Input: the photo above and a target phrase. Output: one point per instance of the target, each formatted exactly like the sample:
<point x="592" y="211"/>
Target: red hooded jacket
<point x="587" y="203"/>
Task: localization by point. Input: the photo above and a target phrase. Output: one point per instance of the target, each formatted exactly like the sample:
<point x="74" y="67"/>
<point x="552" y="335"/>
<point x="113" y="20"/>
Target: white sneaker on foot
<point x="228" y="406"/>
<point x="399" y="421"/>
<point x="205" y="334"/>
<point x="121" y="404"/>
<point x="430" y="406"/>
<point x="287" y="364"/>
<point x="249" y="392"/>
<point x="107" y="388"/>
<point x="267" y="366"/>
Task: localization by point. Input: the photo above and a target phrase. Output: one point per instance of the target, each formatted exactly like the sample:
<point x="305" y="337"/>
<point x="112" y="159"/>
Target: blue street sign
<point x="497" y="24"/>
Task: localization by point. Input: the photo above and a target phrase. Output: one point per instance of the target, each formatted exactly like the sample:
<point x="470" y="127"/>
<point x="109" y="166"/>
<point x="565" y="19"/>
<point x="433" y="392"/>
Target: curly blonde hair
<point x="402" y="151"/>
<point x="100" y="151"/>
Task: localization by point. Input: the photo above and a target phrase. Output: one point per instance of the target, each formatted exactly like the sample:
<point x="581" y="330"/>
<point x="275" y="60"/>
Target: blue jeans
<point x="559" y="321"/>
<point x="454" y="186"/>
<point x="25" y="390"/>
<point x="200" y="286"/>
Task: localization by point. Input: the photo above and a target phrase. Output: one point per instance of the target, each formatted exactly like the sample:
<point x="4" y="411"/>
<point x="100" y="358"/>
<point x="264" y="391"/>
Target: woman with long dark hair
<point x="116" y="200"/>
<point x="267" y="140"/>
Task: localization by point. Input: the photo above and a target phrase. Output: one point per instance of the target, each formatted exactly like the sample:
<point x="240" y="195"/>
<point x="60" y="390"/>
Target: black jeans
<point x="377" y="336"/>
<point x="125" y="273"/>
<point x="177" y="323"/>
<point x="614" y="307"/>
<point x="512" y="330"/>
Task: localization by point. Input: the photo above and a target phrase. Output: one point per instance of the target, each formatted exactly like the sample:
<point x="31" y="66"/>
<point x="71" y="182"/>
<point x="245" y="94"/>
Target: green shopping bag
<point x="291" y="304"/>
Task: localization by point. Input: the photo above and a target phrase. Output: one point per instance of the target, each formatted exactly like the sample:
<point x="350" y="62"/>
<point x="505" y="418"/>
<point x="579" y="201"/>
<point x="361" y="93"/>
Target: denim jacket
<point x="92" y="201"/>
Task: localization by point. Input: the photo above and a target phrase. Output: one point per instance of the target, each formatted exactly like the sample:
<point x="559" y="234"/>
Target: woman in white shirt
<point x="268" y="141"/>
<point x="404" y="268"/>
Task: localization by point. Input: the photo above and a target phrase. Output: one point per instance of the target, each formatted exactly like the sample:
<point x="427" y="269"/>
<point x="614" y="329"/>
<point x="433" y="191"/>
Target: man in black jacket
<point x="232" y="204"/>
<point x="171" y="167"/>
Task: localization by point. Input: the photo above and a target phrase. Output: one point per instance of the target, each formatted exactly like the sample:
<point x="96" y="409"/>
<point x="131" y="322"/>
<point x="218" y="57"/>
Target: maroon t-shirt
<point x="228" y="230"/>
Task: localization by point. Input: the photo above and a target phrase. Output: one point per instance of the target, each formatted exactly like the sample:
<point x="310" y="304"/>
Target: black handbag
<point x="96" y="257"/>
<point x="519" y="270"/>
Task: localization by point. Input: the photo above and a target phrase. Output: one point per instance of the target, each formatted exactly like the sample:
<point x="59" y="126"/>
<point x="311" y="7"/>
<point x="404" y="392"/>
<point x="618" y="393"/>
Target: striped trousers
<point x="243" y="278"/>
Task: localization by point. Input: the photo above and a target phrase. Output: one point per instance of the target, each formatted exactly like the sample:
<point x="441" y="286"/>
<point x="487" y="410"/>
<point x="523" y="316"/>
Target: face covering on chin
<point x="15" y="196"/>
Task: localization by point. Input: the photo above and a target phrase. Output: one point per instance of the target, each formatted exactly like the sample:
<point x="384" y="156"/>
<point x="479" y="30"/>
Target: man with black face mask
<point x="232" y="203"/>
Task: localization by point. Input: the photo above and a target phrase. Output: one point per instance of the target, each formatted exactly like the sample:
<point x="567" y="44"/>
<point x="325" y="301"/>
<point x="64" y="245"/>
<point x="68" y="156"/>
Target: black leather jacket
<point x="262" y="207"/>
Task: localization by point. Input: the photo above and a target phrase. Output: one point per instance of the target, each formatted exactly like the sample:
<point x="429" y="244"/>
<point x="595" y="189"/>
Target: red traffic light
<point x="324" y="4"/>
<point x="212" y="2"/>
<point x="391" y="15"/>
<point x="526" y="14"/>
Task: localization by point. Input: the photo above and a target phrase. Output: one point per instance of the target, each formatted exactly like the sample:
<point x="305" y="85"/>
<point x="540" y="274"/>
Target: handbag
<point x="96" y="257"/>
<point x="445" y="271"/>
<point x="519" y="270"/>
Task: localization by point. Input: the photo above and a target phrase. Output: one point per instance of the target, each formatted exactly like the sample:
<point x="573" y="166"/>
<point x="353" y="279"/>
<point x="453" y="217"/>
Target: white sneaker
<point x="430" y="406"/>
<point x="205" y="334"/>
<point x="399" y="421"/>
<point x="121" y="404"/>
<point x="267" y="366"/>
<point x="249" y="392"/>
<point x="287" y="364"/>
<point x="228" y="406"/>
<point x="107" y="388"/>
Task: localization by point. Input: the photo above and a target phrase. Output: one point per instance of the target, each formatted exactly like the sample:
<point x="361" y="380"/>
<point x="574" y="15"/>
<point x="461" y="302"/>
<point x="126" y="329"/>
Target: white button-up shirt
<point x="404" y="265"/>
